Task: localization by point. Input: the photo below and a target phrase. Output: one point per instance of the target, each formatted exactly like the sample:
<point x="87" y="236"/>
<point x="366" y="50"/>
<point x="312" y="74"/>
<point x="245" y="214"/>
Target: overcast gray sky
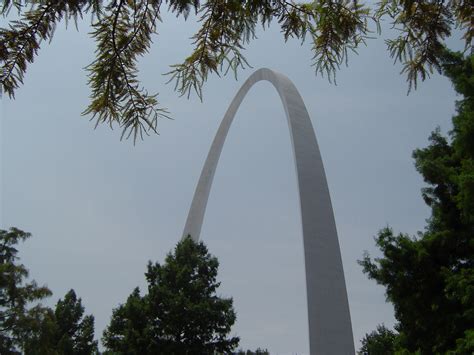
<point x="99" y="208"/>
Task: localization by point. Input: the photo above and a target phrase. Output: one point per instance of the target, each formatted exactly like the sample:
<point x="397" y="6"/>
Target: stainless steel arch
<point x="330" y="330"/>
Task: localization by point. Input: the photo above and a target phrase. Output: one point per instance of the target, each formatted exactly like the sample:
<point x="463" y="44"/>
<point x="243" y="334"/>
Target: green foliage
<point x="379" y="342"/>
<point x="73" y="332"/>
<point x="180" y="314"/>
<point x="18" y="320"/>
<point x="37" y="330"/>
<point x="123" y="31"/>
<point x="65" y="331"/>
<point x="430" y="278"/>
<point x="423" y="27"/>
<point x="464" y="345"/>
<point x="123" y="34"/>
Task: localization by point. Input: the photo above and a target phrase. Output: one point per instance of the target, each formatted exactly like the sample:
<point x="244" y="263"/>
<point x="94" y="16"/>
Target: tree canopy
<point x="26" y="326"/>
<point x="430" y="278"/>
<point x="123" y="31"/>
<point x="180" y="314"/>
<point x="379" y="342"/>
<point x="18" y="318"/>
<point x="64" y="331"/>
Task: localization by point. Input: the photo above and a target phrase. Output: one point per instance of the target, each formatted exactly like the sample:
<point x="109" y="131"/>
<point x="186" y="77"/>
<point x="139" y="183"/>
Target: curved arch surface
<point x="330" y="330"/>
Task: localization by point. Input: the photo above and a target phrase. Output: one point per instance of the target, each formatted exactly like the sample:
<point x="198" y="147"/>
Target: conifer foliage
<point x="430" y="278"/>
<point x="123" y="31"/>
<point x="18" y="319"/>
<point x="28" y="327"/>
<point x="181" y="312"/>
<point x="379" y="342"/>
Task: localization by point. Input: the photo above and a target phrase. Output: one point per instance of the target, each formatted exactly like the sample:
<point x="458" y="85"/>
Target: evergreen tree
<point x="180" y="314"/>
<point x="37" y="330"/>
<point x="123" y="32"/>
<point x="74" y="333"/>
<point x="129" y="329"/>
<point x="64" y="331"/>
<point x="430" y="278"/>
<point x="18" y="320"/>
<point x="379" y="342"/>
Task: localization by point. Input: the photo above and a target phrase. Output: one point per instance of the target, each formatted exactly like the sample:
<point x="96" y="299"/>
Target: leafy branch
<point x="423" y="27"/>
<point x="20" y="44"/>
<point x="123" y="34"/>
<point x="123" y="31"/>
<point x="226" y="27"/>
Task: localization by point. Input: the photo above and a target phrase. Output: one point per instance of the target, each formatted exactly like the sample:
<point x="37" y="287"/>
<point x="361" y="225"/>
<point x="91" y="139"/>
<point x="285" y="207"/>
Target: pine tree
<point x="430" y="278"/>
<point x="379" y="342"/>
<point x="180" y="314"/>
<point x="18" y="319"/>
<point x="64" y="331"/>
<point x="74" y="333"/>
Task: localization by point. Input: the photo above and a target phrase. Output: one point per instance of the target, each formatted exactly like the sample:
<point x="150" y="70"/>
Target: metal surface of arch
<point x="330" y="330"/>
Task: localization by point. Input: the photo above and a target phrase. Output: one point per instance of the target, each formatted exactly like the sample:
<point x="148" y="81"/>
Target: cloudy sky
<point x="100" y="208"/>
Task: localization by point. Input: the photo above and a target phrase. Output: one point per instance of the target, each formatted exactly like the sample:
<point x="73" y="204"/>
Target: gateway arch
<point x="330" y="330"/>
